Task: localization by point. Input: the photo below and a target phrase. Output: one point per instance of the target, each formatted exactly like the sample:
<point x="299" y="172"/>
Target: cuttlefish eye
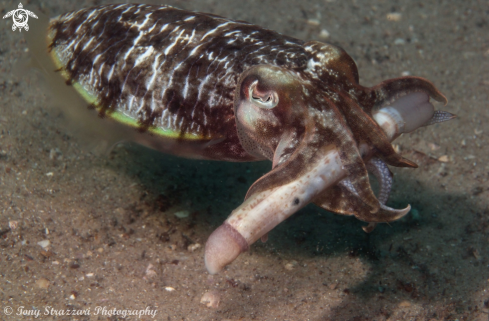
<point x="266" y="100"/>
<point x="263" y="106"/>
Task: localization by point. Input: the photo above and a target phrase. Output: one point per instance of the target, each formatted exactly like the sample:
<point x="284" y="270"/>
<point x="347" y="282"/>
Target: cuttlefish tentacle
<point x="384" y="176"/>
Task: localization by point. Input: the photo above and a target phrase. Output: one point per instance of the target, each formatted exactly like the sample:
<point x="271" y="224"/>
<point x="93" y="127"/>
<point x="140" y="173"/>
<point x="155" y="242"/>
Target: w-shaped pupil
<point x="269" y="98"/>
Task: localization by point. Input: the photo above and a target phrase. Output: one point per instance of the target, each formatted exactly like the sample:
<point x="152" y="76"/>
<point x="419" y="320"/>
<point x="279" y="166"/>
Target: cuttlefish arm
<point x="313" y="151"/>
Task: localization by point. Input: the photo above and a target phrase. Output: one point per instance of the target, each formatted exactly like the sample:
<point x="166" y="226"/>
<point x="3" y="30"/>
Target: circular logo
<point x="7" y="310"/>
<point x="20" y="17"/>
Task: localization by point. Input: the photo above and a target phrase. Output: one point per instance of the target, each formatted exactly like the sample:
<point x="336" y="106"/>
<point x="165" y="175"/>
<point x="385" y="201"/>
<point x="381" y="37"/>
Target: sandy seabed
<point x="119" y="231"/>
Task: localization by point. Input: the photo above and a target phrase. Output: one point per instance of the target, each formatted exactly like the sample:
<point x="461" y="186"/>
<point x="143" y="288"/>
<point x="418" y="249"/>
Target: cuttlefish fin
<point x="94" y="133"/>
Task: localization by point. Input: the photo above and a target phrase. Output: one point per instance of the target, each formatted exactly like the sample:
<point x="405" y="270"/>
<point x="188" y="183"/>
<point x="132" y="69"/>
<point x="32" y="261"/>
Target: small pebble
<point x="313" y="22"/>
<point x="193" y="247"/>
<point x="42" y="283"/>
<point x="405" y="304"/>
<point x="52" y="154"/>
<point x="291" y="265"/>
<point x="13" y="225"/>
<point x="44" y="244"/>
<point x="47" y="253"/>
<point x="182" y="214"/>
<point x="324" y="34"/>
<point x="169" y="289"/>
<point x="434" y="146"/>
<point x="149" y="271"/>
<point x="394" y="16"/>
<point x="443" y="159"/>
<point x="399" y="41"/>
<point x="211" y="299"/>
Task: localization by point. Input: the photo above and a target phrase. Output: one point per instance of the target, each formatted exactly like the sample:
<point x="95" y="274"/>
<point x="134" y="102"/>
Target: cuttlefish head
<point x="271" y="114"/>
<point x="322" y="131"/>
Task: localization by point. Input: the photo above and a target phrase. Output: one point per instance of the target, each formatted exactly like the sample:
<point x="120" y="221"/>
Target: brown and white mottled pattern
<point x="164" y="66"/>
<point x="247" y="93"/>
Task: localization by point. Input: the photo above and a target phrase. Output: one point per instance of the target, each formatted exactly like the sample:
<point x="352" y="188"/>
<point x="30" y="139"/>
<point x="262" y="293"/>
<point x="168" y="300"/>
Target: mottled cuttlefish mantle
<point x="203" y="86"/>
<point x="164" y="70"/>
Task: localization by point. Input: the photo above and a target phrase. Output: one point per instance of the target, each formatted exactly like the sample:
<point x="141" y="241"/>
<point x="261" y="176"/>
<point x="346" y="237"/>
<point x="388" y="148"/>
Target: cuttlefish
<point x="202" y="86"/>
